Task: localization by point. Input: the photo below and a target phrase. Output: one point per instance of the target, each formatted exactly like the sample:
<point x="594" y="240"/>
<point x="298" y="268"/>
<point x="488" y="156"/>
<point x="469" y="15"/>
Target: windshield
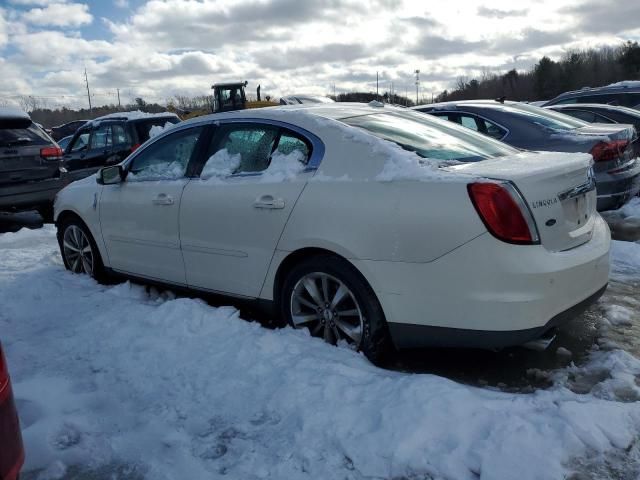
<point x="33" y="135"/>
<point x="430" y="137"/>
<point x="544" y="117"/>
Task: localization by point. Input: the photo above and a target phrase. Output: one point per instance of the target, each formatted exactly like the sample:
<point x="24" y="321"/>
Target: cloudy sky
<point x="159" y="48"/>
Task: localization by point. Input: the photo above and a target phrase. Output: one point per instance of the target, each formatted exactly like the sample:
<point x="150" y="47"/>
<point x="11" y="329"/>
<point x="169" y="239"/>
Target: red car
<point x="11" y="450"/>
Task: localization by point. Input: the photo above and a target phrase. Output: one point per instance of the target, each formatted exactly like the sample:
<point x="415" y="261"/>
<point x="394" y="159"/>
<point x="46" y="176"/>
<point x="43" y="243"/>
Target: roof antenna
<point x="501" y="99"/>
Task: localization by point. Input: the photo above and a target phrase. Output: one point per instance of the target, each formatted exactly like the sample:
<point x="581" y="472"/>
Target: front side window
<point x="101" y="138"/>
<point x="166" y="159"/>
<point x="81" y="141"/>
<point x="430" y="138"/>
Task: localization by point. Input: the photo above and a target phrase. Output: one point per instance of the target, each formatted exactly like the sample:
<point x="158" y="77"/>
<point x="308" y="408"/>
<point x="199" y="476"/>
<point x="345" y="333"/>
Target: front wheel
<point x="79" y="251"/>
<point x="330" y="297"/>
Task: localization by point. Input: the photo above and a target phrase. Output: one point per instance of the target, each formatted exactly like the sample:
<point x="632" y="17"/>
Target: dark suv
<point x="110" y="139"/>
<point x="623" y="94"/>
<point x="31" y="168"/>
<point x="61" y="131"/>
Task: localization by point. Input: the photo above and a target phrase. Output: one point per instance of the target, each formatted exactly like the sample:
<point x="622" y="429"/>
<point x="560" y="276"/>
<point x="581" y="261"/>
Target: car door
<point x="100" y="147"/>
<point x="139" y="216"/>
<point x="76" y="151"/>
<point x="233" y="215"/>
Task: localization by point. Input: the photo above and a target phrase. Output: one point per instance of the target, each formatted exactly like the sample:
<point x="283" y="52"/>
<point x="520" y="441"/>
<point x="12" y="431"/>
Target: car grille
<point x="10" y="438"/>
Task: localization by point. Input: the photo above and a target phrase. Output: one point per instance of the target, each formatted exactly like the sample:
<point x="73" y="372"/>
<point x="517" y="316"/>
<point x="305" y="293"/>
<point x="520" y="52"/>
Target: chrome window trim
<point x="317" y="146"/>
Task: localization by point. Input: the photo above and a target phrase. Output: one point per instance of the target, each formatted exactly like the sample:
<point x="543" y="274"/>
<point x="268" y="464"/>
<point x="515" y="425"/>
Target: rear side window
<point x="429" y="138"/>
<point x="240" y="149"/>
<point x="582" y="115"/>
<point x="632" y="100"/>
<point x="610" y="99"/>
<point x="544" y="117"/>
<point x="32" y="135"/>
<point x="147" y="128"/>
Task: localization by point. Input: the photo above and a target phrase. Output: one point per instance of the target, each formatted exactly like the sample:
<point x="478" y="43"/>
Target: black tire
<point x="375" y="341"/>
<point x="46" y="212"/>
<point x="97" y="271"/>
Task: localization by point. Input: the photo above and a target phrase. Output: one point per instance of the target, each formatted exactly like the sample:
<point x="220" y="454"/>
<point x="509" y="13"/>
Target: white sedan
<point x="367" y="224"/>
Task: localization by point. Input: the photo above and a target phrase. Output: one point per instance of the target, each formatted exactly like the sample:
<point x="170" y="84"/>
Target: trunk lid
<point x="558" y="188"/>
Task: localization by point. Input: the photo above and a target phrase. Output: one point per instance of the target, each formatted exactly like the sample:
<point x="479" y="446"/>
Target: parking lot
<point x="124" y="381"/>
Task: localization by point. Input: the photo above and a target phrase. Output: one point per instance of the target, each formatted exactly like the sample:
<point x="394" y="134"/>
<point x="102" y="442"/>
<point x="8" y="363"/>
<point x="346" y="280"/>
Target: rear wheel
<point x="79" y="251"/>
<point x="328" y="296"/>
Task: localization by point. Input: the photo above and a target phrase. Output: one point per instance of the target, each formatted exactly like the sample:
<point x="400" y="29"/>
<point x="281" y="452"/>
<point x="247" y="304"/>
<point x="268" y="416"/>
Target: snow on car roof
<point x="13" y="113"/>
<point x="133" y="115"/>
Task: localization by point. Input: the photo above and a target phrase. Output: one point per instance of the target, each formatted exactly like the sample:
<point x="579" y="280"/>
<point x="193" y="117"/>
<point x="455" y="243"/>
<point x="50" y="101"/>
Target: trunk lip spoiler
<point x="581" y="189"/>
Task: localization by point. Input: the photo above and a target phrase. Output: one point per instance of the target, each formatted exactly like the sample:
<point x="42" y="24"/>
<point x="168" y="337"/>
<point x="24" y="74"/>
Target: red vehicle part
<point x="11" y="449"/>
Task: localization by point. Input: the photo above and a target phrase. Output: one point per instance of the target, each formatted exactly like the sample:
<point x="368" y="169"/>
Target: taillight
<point x="504" y="212"/>
<point x="135" y="147"/>
<point x="604" y="151"/>
<point x="4" y="371"/>
<point x="51" y="153"/>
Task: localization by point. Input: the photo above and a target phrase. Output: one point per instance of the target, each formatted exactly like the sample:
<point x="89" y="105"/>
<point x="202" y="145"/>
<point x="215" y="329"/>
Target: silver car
<point x="528" y="127"/>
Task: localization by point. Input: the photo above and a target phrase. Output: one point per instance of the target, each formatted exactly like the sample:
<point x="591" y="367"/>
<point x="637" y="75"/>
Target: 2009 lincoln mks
<point x="368" y="224"/>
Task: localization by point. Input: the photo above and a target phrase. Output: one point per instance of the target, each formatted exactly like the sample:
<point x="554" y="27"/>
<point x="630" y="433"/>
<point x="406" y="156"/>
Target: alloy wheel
<point x="328" y="308"/>
<point x="77" y="250"/>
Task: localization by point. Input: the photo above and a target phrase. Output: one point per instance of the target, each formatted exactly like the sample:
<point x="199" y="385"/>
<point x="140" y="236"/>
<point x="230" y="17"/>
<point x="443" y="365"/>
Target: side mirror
<point x="110" y="175"/>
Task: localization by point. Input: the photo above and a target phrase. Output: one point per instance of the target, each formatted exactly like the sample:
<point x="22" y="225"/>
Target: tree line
<point x="548" y="78"/>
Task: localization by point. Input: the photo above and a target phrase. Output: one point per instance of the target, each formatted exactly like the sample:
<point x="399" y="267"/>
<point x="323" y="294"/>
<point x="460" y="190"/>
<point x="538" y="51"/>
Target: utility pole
<point x="377" y="95"/>
<point x="86" y="79"/>
<point x="417" y="84"/>
<point x="119" y="106"/>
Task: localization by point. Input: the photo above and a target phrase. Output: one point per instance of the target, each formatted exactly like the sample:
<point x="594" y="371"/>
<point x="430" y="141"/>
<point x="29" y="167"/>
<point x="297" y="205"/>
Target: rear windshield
<point x="546" y="118"/>
<point x="33" y="135"/>
<point x="144" y="127"/>
<point x="430" y="137"/>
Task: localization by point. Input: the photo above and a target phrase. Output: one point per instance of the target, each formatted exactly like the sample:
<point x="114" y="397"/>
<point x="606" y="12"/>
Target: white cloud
<point x="183" y="46"/>
<point x="59" y="15"/>
<point x="4" y="36"/>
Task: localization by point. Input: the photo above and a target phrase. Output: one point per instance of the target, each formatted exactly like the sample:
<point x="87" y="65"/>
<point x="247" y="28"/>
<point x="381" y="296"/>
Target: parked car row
<point x="33" y="168"/>
<point x="614" y="147"/>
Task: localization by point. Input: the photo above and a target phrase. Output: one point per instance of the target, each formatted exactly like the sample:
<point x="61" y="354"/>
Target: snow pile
<point x="174" y="388"/>
<point x="156" y="130"/>
<point x="284" y="167"/>
<point x="134" y="115"/>
<point x="626" y="83"/>
<point x="400" y="164"/>
<point x="220" y="164"/>
<point x="161" y="171"/>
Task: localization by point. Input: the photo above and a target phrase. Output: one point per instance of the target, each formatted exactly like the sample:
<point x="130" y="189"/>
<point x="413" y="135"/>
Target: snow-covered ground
<point x="126" y="382"/>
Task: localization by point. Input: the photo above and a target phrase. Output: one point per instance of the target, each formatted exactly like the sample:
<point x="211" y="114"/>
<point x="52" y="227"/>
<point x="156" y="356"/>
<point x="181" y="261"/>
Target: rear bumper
<point x="418" y="336"/>
<point x="488" y="293"/>
<point x="11" y="451"/>
<point x="27" y="195"/>
<point x="614" y="190"/>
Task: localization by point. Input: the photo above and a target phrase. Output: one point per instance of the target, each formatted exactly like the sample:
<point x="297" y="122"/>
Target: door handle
<point x="163" y="199"/>
<point x="268" y="201"/>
